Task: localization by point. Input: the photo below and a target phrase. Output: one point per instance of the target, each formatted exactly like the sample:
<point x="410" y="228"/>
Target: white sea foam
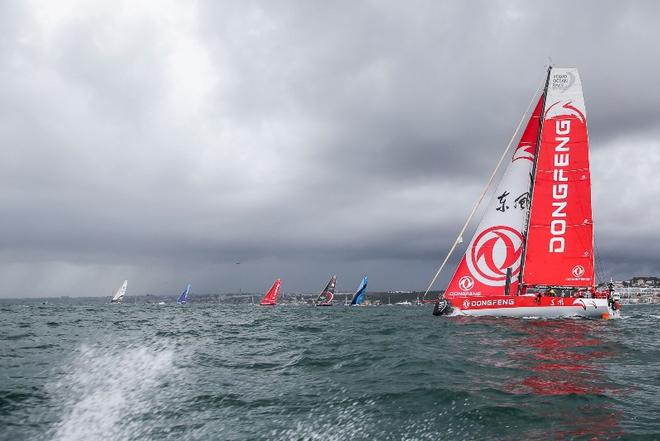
<point x="350" y="419"/>
<point x="103" y="388"/>
<point x="344" y="420"/>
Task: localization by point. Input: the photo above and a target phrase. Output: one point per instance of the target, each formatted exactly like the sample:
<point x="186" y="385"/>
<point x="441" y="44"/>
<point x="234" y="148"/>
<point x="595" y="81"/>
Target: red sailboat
<point x="533" y="252"/>
<point x="271" y="296"/>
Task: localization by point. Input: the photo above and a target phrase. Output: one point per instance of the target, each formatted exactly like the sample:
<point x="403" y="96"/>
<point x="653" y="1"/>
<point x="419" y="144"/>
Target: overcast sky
<point x="163" y="142"/>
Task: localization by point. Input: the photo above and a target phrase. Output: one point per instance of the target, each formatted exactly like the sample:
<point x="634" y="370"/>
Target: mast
<point x="521" y="278"/>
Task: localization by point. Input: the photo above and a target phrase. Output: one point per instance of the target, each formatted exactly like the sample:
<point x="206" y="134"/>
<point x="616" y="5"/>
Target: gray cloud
<point x="165" y="142"/>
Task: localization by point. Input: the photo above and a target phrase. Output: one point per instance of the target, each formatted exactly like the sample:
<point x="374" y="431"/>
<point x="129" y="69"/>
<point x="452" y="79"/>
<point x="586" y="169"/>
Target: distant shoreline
<point x="238" y="298"/>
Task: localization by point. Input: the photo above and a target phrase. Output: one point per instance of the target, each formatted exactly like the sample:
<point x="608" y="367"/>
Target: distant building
<point x="620" y="283"/>
<point x="650" y="282"/>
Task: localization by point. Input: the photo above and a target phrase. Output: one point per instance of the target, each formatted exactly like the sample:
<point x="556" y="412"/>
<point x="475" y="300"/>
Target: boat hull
<point x="532" y="306"/>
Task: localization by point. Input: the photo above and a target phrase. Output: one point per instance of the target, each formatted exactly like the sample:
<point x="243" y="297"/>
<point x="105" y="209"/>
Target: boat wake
<point x="104" y="391"/>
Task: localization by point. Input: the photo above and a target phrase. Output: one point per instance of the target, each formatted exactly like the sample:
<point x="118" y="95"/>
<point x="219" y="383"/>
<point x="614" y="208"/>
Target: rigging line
<point x="485" y="190"/>
<point x="600" y="267"/>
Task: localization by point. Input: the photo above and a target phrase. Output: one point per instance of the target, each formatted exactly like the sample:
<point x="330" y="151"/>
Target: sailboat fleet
<point x="532" y="254"/>
<point x="325" y="298"/>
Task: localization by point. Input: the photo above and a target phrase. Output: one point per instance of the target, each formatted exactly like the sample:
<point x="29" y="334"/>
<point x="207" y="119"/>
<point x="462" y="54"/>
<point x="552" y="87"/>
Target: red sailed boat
<point x="532" y="255"/>
<point x="271" y="296"/>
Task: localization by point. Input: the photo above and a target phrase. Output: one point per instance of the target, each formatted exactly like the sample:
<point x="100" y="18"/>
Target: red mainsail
<point x="271" y="296"/>
<point x="559" y="246"/>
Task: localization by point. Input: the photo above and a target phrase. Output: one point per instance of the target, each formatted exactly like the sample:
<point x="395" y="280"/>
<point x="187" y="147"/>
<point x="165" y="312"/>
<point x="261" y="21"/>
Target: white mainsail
<point x="121" y="292"/>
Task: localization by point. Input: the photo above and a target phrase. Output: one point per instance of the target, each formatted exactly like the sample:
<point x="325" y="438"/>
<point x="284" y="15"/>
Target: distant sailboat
<point x="271" y="296"/>
<point x="326" y="296"/>
<point x="358" y="297"/>
<point x="121" y="292"/>
<point x="183" y="298"/>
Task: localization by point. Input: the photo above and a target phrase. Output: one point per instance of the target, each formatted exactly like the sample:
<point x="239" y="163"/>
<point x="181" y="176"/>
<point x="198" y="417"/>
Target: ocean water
<point x="216" y="372"/>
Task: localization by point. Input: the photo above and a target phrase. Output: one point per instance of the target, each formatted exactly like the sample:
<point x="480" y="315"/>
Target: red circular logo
<point x="466" y="283"/>
<point x="493" y="251"/>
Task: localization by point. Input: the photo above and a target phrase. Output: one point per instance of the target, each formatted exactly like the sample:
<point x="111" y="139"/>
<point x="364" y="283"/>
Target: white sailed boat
<point x="121" y="292"/>
<point x="532" y="255"/>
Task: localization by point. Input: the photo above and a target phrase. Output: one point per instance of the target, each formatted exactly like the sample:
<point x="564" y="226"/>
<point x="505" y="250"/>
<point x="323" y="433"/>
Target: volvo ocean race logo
<point x="493" y="251"/>
<point x="578" y="271"/>
<point x="563" y="81"/>
<point x="466" y="283"/>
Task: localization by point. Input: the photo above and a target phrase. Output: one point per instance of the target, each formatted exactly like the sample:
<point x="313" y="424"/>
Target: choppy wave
<point x="207" y="372"/>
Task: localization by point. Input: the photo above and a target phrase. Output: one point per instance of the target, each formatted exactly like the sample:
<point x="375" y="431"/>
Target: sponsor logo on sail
<point x="524" y="151"/>
<point x="466" y="304"/>
<point x="563" y="115"/>
<point x="466" y="283"/>
<point x="578" y="271"/>
<point x="493" y="251"/>
<point x="561" y="160"/>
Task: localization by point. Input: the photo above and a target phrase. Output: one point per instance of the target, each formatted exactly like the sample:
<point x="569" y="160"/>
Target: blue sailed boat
<point x="358" y="297"/>
<point x="183" y="298"/>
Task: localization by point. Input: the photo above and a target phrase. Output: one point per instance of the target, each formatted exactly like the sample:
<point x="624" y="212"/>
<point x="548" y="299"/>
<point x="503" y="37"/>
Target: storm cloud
<point x="164" y="142"/>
